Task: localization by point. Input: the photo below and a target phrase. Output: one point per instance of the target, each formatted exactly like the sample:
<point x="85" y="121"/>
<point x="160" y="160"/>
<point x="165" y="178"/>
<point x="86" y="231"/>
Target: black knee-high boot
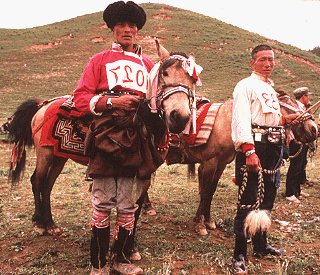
<point x="94" y="248"/>
<point x="259" y="242"/>
<point x="119" y="260"/>
<point x="262" y="248"/>
<point x="240" y="247"/>
<point x="119" y="247"/>
<point x="240" y="254"/>
<point x="131" y="242"/>
<point x="99" y="246"/>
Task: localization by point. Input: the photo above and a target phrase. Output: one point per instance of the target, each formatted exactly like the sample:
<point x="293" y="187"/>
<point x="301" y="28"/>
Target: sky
<point x="294" y="22"/>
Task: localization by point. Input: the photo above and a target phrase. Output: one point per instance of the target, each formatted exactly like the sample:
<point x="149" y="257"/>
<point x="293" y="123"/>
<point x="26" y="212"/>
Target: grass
<point x="167" y="241"/>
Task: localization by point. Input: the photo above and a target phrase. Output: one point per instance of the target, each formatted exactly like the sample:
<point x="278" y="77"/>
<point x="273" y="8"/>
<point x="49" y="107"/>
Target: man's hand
<point x="253" y="163"/>
<point x="125" y="102"/>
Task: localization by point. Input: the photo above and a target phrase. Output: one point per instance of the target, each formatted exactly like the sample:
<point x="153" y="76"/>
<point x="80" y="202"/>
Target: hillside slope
<point x="47" y="61"/>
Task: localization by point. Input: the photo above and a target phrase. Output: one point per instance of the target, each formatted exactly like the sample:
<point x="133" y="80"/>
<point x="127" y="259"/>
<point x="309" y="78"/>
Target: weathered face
<point x="263" y="62"/>
<point x="125" y="34"/>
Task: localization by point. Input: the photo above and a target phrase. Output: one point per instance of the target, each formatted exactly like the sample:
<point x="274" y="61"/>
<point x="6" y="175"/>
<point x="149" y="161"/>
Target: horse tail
<point x="20" y="134"/>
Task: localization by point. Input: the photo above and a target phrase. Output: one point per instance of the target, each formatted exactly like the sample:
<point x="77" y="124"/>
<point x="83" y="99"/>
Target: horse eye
<point x="165" y="73"/>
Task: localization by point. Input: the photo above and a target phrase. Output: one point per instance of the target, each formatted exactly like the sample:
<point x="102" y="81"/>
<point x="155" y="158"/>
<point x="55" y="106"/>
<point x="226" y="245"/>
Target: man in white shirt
<point x="256" y="114"/>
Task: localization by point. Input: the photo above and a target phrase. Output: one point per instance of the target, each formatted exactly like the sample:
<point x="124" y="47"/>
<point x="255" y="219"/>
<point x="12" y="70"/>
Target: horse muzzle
<point x="177" y="122"/>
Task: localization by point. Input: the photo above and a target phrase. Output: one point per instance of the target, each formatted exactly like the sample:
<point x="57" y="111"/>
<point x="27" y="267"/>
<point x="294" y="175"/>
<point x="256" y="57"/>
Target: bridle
<point x="164" y="92"/>
<point x="300" y="120"/>
<point x="168" y="89"/>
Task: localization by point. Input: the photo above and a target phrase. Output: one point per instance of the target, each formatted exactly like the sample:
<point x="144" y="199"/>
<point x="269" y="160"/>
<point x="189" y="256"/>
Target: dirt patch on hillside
<point x="301" y="60"/>
<point x="50" y="45"/>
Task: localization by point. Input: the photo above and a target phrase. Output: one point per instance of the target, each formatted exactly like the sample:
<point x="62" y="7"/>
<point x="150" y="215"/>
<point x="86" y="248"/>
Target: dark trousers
<point x="270" y="156"/>
<point x="296" y="172"/>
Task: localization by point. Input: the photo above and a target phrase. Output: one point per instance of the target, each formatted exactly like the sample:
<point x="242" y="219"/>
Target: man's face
<point x="305" y="99"/>
<point x="263" y="62"/>
<point x="125" y="33"/>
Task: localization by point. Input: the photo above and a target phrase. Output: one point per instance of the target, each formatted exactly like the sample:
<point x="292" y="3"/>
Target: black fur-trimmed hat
<point x="120" y="11"/>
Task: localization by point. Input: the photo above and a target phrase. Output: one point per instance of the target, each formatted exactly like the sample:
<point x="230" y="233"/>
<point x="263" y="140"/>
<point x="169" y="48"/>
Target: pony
<point x="214" y="155"/>
<point x="219" y="151"/>
<point x="170" y="96"/>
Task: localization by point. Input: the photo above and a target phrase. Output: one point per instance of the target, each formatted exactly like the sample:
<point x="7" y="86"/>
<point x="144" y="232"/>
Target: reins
<point x="297" y="153"/>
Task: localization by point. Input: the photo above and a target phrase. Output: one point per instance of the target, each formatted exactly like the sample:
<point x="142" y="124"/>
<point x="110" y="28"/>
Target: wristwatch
<point x="109" y="103"/>
<point x="249" y="153"/>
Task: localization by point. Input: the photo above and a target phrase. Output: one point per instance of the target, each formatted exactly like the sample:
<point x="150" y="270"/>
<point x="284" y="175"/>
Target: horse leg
<point x="54" y="171"/>
<point x="147" y="206"/>
<point x="209" y="173"/>
<point x="38" y="180"/>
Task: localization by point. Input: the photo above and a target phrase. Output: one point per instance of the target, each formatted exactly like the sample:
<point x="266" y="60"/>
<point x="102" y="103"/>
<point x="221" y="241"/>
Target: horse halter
<point x="175" y="88"/>
<point x="163" y="92"/>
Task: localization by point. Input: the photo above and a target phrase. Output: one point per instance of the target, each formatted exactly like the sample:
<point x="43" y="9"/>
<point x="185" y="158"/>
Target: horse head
<point x="305" y="130"/>
<point x="172" y="88"/>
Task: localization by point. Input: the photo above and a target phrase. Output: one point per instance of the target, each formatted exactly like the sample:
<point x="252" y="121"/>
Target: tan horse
<point x="172" y="99"/>
<point x="219" y="151"/>
<point x="214" y="155"/>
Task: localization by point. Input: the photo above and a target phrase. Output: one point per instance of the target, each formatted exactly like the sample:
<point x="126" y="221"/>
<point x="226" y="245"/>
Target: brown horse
<point x="214" y="156"/>
<point x="219" y="151"/>
<point x="171" y="99"/>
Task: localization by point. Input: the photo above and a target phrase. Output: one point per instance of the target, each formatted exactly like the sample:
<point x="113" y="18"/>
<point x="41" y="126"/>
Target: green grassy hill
<point x="47" y="61"/>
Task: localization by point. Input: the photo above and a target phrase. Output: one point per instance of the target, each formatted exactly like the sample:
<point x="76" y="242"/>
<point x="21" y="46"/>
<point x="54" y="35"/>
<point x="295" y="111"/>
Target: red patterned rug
<point x="64" y="134"/>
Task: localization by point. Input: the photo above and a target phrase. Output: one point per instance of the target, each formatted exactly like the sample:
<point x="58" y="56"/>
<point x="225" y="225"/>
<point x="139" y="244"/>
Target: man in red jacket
<point x="113" y="82"/>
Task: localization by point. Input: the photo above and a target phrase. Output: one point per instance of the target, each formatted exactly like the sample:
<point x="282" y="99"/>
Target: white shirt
<point x="255" y="102"/>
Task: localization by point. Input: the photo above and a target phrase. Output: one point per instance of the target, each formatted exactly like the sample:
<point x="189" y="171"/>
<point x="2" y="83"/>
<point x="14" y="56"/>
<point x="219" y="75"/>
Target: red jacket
<point x="112" y="69"/>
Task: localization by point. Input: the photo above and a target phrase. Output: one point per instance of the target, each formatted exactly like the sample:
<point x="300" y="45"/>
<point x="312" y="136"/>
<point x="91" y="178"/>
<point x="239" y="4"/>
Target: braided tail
<point x="20" y="134"/>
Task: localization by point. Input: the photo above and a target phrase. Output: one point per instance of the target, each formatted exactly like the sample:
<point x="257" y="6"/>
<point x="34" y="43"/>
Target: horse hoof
<point x="54" y="231"/>
<point x="201" y="231"/>
<point x="201" y="227"/>
<point x="152" y="212"/>
<point x="211" y="225"/>
<point x="135" y="256"/>
<point x="39" y="230"/>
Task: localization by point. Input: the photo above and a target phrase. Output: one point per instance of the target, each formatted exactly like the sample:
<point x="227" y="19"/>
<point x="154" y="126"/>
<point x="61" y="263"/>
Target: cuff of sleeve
<point x="93" y="102"/>
<point x="246" y="147"/>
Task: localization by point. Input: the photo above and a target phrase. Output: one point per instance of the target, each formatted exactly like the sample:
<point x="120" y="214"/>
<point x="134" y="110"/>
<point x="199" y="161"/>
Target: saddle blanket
<point x="205" y="118"/>
<point x="65" y="135"/>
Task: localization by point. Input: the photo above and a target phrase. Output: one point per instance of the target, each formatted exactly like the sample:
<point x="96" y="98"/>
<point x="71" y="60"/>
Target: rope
<point x="297" y="153"/>
<point x="260" y="191"/>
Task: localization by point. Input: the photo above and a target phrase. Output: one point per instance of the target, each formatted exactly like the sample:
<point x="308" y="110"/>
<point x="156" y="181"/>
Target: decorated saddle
<point x="205" y="117"/>
<point x="120" y="139"/>
<point x="65" y="133"/>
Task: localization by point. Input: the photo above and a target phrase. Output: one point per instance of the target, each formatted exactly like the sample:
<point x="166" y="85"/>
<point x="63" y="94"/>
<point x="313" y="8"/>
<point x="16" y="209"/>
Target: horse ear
<point x="192" y="56"/>
<point x="162" y="52"/>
